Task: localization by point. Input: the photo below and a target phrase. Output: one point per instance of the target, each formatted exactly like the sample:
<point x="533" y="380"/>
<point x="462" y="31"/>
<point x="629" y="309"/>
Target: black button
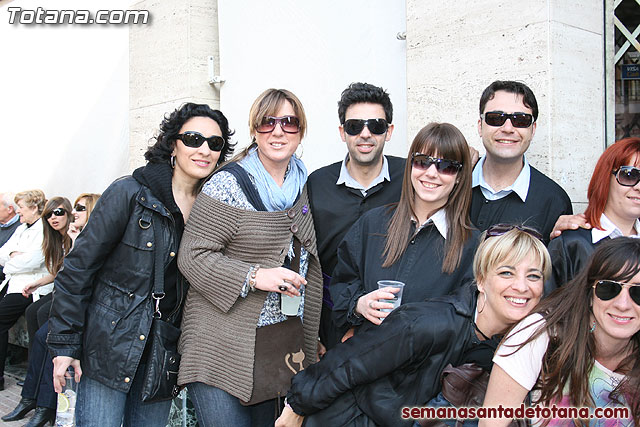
<point x="413" y="241"/>
<point x="486" y="202"/>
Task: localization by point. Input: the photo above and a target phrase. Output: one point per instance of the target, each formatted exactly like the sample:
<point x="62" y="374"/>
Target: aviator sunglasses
<point x="194" y="139"/>
<point x="353" y="127"/>
<point x="609" y="289"/>
<point x="288" y="124"/>
<point x="498" y="118"/>
<point x="627" y="176"/>
<point x="56" y="212"/>
<point x="503" y="228"/>
<point x="446" y="167"/>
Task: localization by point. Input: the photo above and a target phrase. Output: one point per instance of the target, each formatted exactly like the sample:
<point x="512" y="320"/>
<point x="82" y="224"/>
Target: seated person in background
<point x="426" y="240"/>
<point x="613" y="211"/>
<point x="581" y="346"/>
<point x="23" y="263"/>
<point x="370" y="377"/>
<point x="9" y="220"/>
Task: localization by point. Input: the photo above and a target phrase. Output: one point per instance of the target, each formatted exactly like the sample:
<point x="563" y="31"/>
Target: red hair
<point x="619" y="154"/>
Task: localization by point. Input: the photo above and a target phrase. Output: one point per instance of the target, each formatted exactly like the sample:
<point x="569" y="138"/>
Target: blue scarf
<point x="276" y="198"/>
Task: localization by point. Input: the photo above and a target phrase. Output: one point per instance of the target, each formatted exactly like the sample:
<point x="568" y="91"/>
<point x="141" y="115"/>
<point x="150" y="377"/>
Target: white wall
<point x="314" y="49"/>
<point x="64" y="101"/>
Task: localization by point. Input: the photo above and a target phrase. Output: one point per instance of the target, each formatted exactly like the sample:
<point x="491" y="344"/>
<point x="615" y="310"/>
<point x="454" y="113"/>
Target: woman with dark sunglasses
<point x="366" y="380"/>
<point x="37" y="390"/>
<point x="23" y="263"/>
<point x="81" y="212"/>
<point x="250" y="226"/>
<point x="580" y="347"/>
<point x="613" y="211"/>
<point x="426" y="240"/>
<point x="103" y="306"/>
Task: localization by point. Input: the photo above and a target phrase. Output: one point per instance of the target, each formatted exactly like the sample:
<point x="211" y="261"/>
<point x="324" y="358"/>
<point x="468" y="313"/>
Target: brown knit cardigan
<point x="219" y="246"/>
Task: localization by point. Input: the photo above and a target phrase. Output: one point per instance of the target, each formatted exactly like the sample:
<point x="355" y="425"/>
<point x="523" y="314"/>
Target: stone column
<point x="168" y="65"/>
<point x="456" y="49"/>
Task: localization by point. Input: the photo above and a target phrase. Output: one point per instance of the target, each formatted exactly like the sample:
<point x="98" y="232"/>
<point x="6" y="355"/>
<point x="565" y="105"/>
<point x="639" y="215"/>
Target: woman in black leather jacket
<point x="368" y="379"/>
<point x="102" y="305"/>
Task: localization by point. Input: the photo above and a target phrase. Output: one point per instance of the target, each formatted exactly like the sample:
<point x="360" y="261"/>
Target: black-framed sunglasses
<point x="446" y="167"/>
<point x="79" y="208"/>
<point x="194" y="139"/>
<point x="609" y="289"/>
<point x="353" y="127"/>
<point x="288" y="124"/>
<point x="503" y="228"/>
<point x="56" y="212"/>
<point x="627" y="176"/>
<point x="498" y="118"/>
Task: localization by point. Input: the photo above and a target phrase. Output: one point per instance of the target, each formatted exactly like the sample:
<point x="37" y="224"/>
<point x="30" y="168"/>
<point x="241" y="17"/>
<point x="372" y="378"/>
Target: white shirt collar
<point x="346" y="178"/>
<point x="520" y="186"/>
<point x="439" y="219"/>
<point x="610" y="230"/>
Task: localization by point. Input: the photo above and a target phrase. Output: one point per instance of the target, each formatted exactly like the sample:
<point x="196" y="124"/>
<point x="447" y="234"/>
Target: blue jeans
<point x="217" y="408"/>
<point x="101" y="406"/>
<point x="39" y="381"/>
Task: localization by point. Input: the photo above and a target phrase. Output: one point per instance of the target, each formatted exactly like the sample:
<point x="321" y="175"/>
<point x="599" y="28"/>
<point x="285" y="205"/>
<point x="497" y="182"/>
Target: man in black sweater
<point x="341" y="192"/>
<point x="505" y="187"/>
<point x="9" y="221"/>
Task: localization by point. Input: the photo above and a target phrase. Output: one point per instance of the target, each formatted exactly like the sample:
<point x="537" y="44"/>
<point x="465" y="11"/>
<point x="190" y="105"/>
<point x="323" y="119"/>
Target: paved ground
<point x="10" y="396"/>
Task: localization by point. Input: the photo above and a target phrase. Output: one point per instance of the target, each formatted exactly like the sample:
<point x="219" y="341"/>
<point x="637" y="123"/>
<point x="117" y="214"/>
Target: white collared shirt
<point x="610" y="230"/>
<point x="520" y="186"/>
<point x="346" y="178"/>
<point x="439" y="219"/>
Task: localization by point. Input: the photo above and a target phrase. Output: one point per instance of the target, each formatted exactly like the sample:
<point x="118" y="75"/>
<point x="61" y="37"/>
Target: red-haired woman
<point x="613" y="211"/>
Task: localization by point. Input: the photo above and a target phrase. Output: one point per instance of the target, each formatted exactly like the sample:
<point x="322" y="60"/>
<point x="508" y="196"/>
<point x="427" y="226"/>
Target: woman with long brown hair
<point x="426" y="240"/>
<point x="581" y="346"/>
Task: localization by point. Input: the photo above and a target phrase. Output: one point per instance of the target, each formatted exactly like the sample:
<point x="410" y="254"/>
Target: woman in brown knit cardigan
<point x="240" y="234"/>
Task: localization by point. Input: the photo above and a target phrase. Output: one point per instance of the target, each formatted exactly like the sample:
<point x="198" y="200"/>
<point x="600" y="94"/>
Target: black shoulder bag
<point x="161" y="375"/>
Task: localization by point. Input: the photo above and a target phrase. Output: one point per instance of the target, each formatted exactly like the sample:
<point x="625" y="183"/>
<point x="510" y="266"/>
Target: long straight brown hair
<point x="572" y="347"/>
<point x="445" y="141"/>
<point x="55" y="245"/>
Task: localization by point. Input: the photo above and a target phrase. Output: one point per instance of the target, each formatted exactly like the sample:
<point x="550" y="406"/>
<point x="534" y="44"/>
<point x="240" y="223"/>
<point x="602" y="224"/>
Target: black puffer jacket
<point x="395" y="364"/>
<point x="102" y="306"/>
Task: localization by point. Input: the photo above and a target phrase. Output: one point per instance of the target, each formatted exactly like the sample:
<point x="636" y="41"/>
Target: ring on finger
<point x="370" y="304"/>
<point x="284" y="287"/>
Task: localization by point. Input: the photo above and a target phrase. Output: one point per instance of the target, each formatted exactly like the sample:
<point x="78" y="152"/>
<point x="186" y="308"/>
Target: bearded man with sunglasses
<point x="506" y="189"/>
<point x="341" y="192"/>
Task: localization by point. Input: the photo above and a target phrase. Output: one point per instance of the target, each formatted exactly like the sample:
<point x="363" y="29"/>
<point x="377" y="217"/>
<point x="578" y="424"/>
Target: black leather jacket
<point x="392" y="365"/>
<point x="102" y="306"/>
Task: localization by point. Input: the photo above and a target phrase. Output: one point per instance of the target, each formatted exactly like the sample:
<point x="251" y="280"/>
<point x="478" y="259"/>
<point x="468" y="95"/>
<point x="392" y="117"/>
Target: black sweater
<point x="546" y="201"/>
<point x="420" y="267"/>
<point x="336" y="208"/>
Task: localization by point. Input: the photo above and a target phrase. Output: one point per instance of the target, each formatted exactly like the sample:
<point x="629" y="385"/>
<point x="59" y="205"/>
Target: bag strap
<point x="246" y="185"/>
<point x="158" y="271"/>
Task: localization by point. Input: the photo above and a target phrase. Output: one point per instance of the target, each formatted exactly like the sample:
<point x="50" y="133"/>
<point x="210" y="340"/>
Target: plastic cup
<point x="66" y="408"/>
<point x="397" y="300"/>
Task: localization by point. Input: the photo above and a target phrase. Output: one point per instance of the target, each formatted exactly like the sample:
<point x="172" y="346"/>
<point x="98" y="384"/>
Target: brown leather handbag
<point x="464" y="386"/>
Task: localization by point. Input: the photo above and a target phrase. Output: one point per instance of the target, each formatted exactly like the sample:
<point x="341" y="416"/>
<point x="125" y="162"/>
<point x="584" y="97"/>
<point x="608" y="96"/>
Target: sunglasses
<point x="56" y="212"/>
<point x="196" y="139"/>
<point x="353" y="127"/>
<point x="502" y="228"/>
<point x="446" y="167"/>
<point x="498" y="118"/>
<point x="79" y="208"/>
<point x="609" y="289"/>
<point x="288" y="124"/>
<point x="627" y="176"/>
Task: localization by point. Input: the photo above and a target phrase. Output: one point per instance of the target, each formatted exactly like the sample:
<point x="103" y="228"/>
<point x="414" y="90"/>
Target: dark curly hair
<point x="160" y="152"/>
<point x="358" y="93"/>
